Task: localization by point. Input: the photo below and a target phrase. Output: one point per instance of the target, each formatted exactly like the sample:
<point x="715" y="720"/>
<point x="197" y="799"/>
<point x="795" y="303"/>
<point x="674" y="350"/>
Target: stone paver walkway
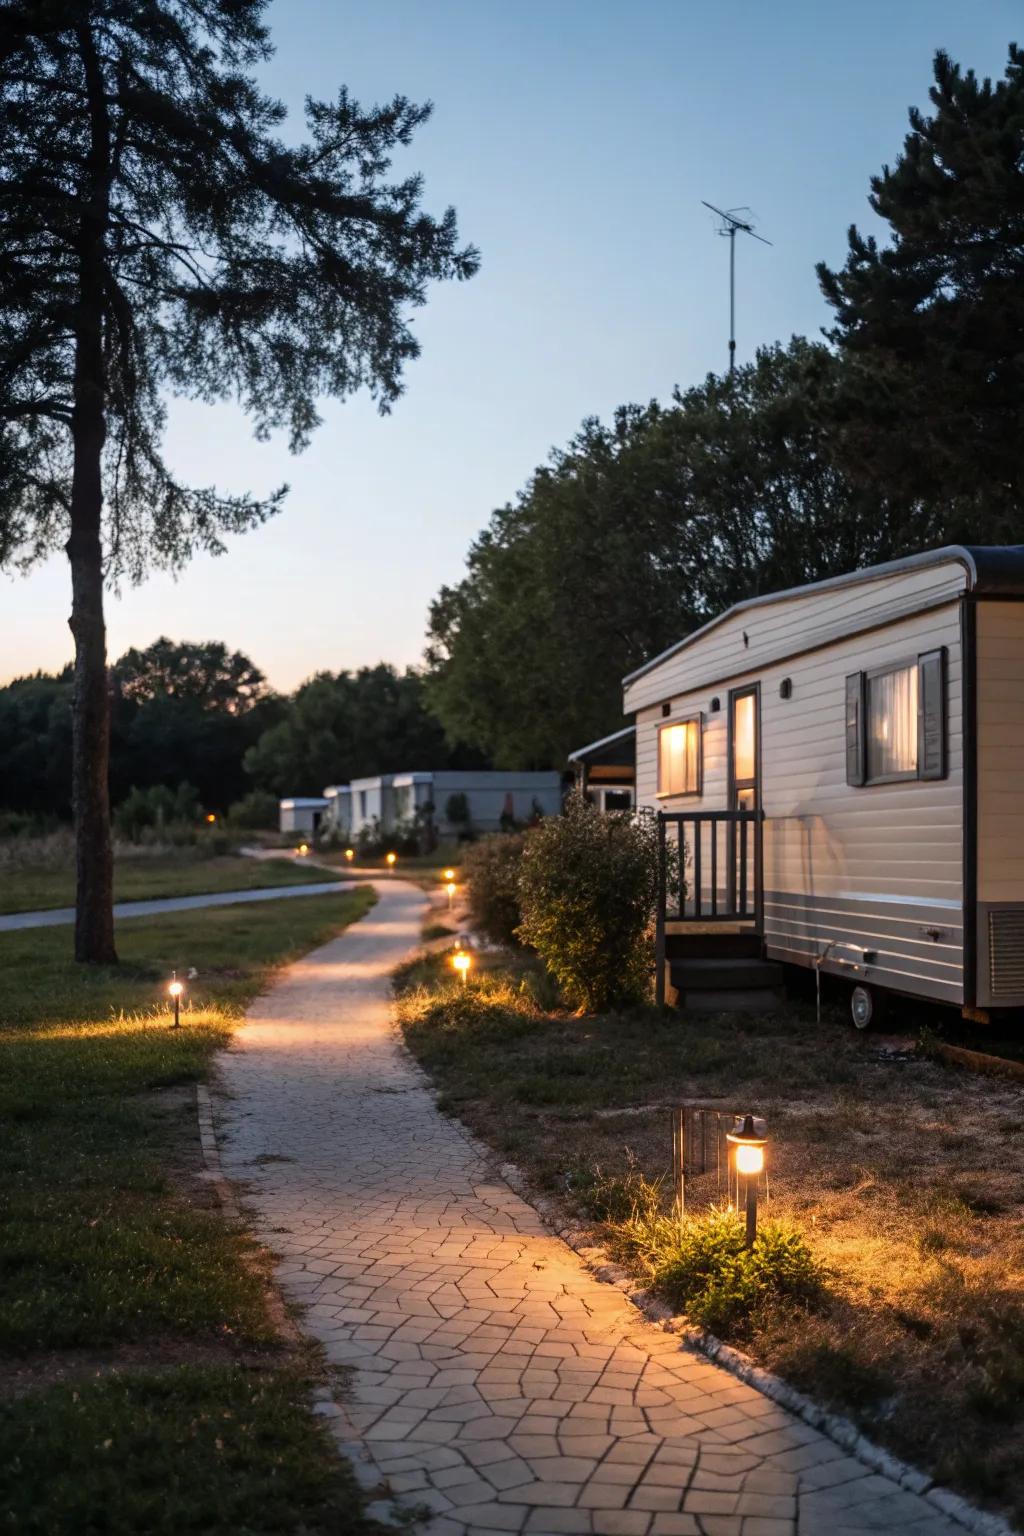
<point x="55" y="917"/>
<point x="497" y="1383"/>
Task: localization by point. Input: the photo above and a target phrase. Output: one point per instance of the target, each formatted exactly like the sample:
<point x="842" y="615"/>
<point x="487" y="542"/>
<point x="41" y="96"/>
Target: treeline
<point x="901" y="431"/>
<point x="203" y="716"/>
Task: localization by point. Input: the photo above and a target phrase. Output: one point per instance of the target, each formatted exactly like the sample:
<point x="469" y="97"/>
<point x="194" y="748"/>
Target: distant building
<point x="303" y="814"/>
<point x="487" y="798"/>
<point x="605" y="770"/>
<point x="480" y="801"/>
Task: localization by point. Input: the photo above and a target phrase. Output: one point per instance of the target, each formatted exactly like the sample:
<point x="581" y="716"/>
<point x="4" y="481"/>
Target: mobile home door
<point x="744" y="789"/>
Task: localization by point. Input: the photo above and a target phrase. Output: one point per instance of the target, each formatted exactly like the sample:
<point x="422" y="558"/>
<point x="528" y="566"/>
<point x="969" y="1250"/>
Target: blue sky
<point x="576" y="139"/>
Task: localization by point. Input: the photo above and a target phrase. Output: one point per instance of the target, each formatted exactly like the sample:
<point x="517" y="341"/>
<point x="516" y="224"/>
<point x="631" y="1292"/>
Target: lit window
<point x="679" y="758"/>
<point x="891" y="701"/>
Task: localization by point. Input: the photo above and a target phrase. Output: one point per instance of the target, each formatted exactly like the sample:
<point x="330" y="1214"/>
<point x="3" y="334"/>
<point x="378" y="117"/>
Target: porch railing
<point x="710" y="871"/>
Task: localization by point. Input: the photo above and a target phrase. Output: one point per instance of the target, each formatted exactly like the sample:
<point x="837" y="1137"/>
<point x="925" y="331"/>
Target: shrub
<point x="703" y="1267"/>
<point x="456" y="809"/>
<point x="255" y="812"/>
<point x="587" y="891"/>
<point x="491" y="868"/>
<point x="172" y="814"/>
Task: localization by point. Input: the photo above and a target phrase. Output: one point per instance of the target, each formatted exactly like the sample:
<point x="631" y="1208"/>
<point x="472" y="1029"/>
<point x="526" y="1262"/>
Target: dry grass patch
<point x="906" y="1178"/>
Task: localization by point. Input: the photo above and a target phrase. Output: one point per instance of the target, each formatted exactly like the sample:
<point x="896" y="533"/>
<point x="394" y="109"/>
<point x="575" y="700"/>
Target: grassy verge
<point x="144" y="1384"/>
<point x="188" y="872"/>
<point x="907" y="1180"/>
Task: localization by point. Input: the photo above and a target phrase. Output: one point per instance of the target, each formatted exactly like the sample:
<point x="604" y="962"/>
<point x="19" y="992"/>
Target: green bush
<point x="587" y="891"/>
<point x="491" y="870"/>
<point x="711" y="1275"/>
<point x="255" y="812"/>
<point x="172" y="814"/>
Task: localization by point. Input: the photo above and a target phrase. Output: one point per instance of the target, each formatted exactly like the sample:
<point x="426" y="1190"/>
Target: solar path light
<point x="174" y="990"/>
<point x="748" y="1137"/>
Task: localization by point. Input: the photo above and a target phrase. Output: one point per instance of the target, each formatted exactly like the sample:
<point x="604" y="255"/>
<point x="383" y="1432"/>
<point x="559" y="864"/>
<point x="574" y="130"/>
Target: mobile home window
<point x="679" y="758"/>
<point x="896" y="721"/>
<point x="891" y="710"/>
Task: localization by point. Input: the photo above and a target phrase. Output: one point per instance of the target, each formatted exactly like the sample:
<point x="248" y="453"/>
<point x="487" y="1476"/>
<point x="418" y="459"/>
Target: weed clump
<point x="703" y="1267"/>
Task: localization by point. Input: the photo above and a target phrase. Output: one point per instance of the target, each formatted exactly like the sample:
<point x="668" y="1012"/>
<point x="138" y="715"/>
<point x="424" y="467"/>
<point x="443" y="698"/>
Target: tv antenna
<point x="732" y="220"/>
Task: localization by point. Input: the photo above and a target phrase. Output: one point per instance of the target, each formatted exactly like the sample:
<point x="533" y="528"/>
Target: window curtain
<point x="678" y="767"/>
<point x="892" y="723"/>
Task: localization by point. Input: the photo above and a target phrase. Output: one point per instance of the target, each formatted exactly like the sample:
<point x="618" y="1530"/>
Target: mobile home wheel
<point x="867" y="1005"/>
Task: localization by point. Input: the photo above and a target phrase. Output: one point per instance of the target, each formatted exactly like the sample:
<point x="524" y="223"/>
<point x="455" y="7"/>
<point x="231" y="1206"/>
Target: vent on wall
<point x="1006" y="954"/>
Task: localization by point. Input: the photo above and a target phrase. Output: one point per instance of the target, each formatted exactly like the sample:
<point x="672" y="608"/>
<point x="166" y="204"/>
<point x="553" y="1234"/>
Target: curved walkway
<point x="54" y="917"/>
<point x="497" y="1383"/>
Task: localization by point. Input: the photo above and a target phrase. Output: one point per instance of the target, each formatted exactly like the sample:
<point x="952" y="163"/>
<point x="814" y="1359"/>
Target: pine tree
<point x="931" y="326"/>
<point x="158" y="234"/>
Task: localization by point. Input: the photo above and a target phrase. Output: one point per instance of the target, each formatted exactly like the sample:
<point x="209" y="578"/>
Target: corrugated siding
<point x="894" y="849"/>
<point x="778" y="629"/>
<point x="1000" y="751"/>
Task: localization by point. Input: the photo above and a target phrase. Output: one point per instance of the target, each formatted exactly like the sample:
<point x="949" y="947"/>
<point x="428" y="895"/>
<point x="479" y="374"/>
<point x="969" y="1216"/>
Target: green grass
<point x="188" y="872"/>
<point x="193" y="1452"/>
<point x="110" y="1242"/>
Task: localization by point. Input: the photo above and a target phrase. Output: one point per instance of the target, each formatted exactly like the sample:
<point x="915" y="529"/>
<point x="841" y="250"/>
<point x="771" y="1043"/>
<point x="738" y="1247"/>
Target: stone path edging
<point x="838" y="1429"/>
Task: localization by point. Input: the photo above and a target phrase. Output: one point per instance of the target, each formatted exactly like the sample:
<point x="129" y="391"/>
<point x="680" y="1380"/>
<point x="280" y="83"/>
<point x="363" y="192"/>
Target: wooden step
<point x="725" y="974"/>
<point x="748" y="1001"/>
<point x="738" y="944"/>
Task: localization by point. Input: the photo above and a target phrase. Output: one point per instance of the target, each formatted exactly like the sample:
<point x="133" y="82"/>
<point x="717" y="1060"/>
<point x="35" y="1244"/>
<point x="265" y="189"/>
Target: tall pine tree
<point x="930" y="326"/>
<point x="157" y="233"/>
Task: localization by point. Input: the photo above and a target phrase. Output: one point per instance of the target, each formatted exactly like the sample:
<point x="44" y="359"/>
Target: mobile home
<point x="839" y="766"/>
<point x="605" y="770"/>
<point x="485" y="796"/>
<point x="302" y="813"/>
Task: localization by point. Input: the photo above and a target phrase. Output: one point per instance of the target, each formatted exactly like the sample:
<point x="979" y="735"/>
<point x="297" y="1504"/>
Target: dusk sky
<point x="576" y="139"/>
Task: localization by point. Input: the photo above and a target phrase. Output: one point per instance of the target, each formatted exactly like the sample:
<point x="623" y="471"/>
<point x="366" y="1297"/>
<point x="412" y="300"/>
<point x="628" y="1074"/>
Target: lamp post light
<point x="392" y="860"/>
<point x="210" y="819"/>
<point x="748" y="1136"/>
<point x="449" y="874"/>
<point x="175" y="988"/>
<point x="350" y="854"/>
<point x="462" y="961"/>
<point x="302" y="850"/>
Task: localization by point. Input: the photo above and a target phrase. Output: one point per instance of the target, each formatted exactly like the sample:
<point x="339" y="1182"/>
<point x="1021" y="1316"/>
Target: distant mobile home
<point x="605" y="770"/>
<point x="841" y="764"/>
<point x="302" y="813"/>
<point x="395" y="798"/>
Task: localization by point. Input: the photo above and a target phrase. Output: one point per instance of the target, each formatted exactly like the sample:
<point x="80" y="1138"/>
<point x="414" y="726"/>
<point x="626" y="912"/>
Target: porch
<point x="709" y="936"/>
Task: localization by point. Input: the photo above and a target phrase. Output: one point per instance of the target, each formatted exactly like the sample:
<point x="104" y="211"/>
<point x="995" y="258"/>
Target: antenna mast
<point x="732" y="220"/>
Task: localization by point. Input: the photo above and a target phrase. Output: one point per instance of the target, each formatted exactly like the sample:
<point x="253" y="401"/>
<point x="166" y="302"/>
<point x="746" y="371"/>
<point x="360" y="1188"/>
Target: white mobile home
<point x="338" y="815"/>
<point x="486" y="796"/>
<point x="841" y="765"/>
<point x="302" y="813"/>
<point x="605" y="770"/>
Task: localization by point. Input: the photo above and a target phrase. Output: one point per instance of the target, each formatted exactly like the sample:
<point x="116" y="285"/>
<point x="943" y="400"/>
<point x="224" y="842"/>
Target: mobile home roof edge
<point x="997" y="570"/>
<point x="605" y="741"/>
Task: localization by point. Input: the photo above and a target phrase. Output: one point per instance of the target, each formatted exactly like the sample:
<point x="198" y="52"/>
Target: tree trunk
<point x="90" y="751"/>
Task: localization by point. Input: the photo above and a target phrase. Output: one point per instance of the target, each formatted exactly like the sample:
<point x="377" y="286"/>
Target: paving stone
<point x="496" y="1380"/>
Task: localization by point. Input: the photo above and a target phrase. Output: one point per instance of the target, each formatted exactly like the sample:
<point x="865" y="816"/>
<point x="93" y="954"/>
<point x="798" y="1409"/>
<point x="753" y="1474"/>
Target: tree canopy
<point x="347" y="725"/>
<point x="930" y="326"/>
<point x="633" y="535"/>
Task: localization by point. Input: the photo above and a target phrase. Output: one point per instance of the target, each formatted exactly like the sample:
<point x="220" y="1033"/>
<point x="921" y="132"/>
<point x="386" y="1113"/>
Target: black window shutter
<point x="931" y="715"/>
<point x="855" y="728"/>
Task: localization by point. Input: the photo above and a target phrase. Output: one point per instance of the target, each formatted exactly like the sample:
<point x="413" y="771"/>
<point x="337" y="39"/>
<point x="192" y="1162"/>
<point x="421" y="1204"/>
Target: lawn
<point x="145" y="1385"/>
<point x="28" y="887"/>
<point x="906" y="1177"/>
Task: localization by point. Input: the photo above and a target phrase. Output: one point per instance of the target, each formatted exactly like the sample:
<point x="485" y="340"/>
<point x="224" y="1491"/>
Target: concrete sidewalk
<point x="497" y="1383"/>
<point x="57" y="916"/>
